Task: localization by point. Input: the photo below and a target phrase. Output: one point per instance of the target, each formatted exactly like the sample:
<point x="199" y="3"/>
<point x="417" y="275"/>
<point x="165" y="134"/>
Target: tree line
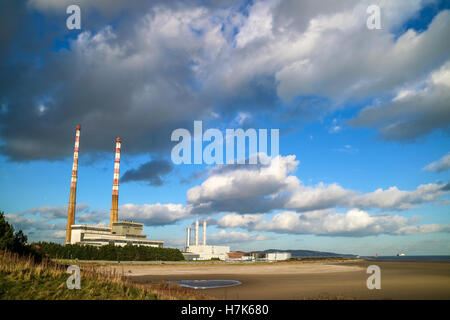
<point x="109" y="252"/>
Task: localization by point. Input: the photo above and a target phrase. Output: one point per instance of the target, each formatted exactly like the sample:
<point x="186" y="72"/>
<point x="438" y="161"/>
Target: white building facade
<point x="278" y="256"/>
<point x="122" y="233"/>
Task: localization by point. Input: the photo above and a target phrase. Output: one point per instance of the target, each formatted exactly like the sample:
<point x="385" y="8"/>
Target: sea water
<point x="206" y="284"/>
<point x="409" y="258"/>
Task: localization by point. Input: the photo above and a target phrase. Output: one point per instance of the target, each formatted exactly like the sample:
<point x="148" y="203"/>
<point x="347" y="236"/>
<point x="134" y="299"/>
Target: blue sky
<point x="363" y="116"/>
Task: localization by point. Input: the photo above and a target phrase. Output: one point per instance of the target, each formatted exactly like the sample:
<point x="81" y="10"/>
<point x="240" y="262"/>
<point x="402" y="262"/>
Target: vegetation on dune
<point x="23" y="278"/>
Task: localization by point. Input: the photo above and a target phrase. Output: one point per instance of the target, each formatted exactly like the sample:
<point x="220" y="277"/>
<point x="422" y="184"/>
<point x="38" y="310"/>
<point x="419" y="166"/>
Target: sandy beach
<point x="307" y="280"/>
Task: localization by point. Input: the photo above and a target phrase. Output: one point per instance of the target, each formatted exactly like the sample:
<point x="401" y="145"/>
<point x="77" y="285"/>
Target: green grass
<point x="43" y="286"/>
<point x="21" y="278"/>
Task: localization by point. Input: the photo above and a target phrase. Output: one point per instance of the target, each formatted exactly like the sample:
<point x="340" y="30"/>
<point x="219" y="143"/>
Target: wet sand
<point x="309" y="280"/>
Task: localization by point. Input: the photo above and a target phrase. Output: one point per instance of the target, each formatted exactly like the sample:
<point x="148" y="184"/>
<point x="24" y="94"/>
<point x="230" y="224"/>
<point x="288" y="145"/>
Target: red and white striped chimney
<point x="115" y="190"/>
<point x="73" y="188"/>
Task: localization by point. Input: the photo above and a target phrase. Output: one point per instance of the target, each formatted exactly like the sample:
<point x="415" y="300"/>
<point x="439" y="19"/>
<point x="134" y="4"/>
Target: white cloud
<point x="414" y="111"/>
<point x="353" y="223"/>
<point x="440" y="165"/>
<point x="246" y="187"/>
<point x="175" y="243"/>
<point x="239" y="220"/>
<point x="393" y="198"/>
<point x="48" y="223"/>
<point x="36" y="229"/>
<point x="321" y="196"/>
<point x="154" y="214"/>
<point x="441" y="76"/>
<point x="335" y="128"/>
<point x="429" y="228"/>
<point x="83" y="213"/>
<point x="53" y="212"/>
<point x="378" y="61"/>
<point x="42" y="108"/>
<point x="242" y="118"/>
<point x="224" y="237"/>
<point x="92" y="216"/>
<point x="59" y="234"/>
<point x="258" y="24"/>
<point x="261" y="189"/>
<point x="404" y="93"/>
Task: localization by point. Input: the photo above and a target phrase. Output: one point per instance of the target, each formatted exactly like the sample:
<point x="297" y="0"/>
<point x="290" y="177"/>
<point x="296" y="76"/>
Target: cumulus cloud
<point x="173" y="242"/>
<point x="429" y="228"/>
<point x="353" y="223"/>
<point x="262" y="189"/>
<point x="239" y="220"/>
<point x="247" y="193"/>
<point x="412" y="112"/>
<point x="83" y="214"/>
<point x="393" y="198"/>
<point x="244" y="189"/>
<point x="151" y="172"/>
<point x="49" y="222"/>
<point x="440" y="165"/>
<point x="36" y="229"/>
<point x="320" y="196"/>
<point x="92" y="216"/>
<point x="114" y="84"/>
<point x="378" y="61"/>
<point x="224" y="237"/>
<point x="21" y="222"/>
<point x="53" y="212"/>
<point x="59" y="234"/>
<point x="165" y="64"/>
<point x="154" y="214"/>
<point x="324" y="196"/>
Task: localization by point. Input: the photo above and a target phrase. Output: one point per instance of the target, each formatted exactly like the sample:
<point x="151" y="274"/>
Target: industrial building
<point x="119" y="233"/>
<point x="258" y="256"/>
<point x="203" y="252"/>
<point x="240" y="256"/>
<point x="278" y="256"/>
<point x="123" y="233"/>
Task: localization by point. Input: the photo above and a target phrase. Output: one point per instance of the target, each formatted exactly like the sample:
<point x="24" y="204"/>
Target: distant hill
<point x="309" y="253"/>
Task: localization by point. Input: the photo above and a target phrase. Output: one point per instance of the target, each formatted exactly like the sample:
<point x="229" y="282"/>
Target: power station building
<point x="122" y="233"/>
<point x="203" y="252"/>
<point x="119" y="233"/>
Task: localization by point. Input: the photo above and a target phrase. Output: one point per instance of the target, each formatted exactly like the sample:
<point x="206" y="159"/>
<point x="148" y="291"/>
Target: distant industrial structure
<point x="258" y="256"/>
<point x="203" y="252"/>
<point x="277" y="256"/>
<point x="119" y="233"/>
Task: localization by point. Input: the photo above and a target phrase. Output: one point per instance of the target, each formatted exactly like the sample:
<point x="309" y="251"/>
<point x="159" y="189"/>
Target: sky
<point x="363" y="116"/>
